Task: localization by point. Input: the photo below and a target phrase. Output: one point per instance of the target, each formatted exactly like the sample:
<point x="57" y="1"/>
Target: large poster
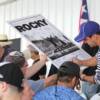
<point x="47" y="38"/>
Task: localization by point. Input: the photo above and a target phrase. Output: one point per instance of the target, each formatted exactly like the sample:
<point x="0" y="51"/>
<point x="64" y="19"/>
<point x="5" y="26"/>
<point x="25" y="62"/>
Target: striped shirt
<point x="97" y="75"/>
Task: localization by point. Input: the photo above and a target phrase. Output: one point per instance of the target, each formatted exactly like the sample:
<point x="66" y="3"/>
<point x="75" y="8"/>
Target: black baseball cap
<point x="11" y="74"/>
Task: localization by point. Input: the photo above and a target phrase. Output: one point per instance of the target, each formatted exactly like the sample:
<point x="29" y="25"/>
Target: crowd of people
<point x="19" y="81"/>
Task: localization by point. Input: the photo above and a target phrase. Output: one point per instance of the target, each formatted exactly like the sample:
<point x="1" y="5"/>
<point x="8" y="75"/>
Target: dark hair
<point x="98" y="32"/>
<point x="17" y="58"/>
<point x="67" y="71"/>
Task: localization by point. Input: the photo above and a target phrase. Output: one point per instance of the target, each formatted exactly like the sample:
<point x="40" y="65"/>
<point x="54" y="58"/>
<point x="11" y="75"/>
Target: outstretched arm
<point x="89" y="62"/>
<point x="36" y="66"/>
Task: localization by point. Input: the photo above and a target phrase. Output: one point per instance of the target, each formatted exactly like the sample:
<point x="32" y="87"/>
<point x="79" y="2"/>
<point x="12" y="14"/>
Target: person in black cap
<point x="11" y="79"/>
<point x="67" y="79"/>
<point x="19" y="59"/>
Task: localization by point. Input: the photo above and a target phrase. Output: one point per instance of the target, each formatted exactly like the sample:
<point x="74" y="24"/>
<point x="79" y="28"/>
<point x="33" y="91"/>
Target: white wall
<point x="64" y="14"/>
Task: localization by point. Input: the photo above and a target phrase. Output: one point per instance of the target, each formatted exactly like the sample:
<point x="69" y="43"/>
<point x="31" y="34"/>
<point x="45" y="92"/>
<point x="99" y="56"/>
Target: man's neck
<point x="12" y="97"/>
<point x="65" y="84"/>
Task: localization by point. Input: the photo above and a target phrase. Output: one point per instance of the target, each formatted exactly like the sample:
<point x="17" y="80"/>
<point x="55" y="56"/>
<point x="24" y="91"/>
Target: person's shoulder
<point x="72" y="94"/>
<point x="37" y="85"/>
<point x="45" y="94"/>
<point x="57" y="92"/>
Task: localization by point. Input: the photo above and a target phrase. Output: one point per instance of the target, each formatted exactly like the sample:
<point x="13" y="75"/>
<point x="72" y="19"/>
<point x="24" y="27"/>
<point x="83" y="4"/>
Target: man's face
<point x="90" y="41"/>
<point x="24" y="68"/>
<point x="27" y="92"/>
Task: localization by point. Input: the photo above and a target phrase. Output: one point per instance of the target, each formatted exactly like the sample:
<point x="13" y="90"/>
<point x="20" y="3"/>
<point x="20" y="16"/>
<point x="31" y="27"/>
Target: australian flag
<point x="84" y="16"/>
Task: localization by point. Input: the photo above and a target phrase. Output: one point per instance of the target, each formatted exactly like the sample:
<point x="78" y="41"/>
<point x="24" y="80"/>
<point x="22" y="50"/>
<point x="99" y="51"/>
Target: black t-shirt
<point x="92" y="52"/>
<point x="42" y="71"/>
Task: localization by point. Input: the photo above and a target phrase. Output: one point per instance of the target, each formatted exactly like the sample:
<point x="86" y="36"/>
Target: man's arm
<point x="89" y="62"/>
<point x="36" y="66"/>
<point x="87" y="78"/>
<point x="51" y="80"/>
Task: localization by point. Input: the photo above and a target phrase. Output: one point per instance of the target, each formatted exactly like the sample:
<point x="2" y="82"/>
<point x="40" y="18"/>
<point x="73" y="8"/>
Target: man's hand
<point x="77" y="61"/>
<point x="43" y="57"/>
<point x="87" y="78"/>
